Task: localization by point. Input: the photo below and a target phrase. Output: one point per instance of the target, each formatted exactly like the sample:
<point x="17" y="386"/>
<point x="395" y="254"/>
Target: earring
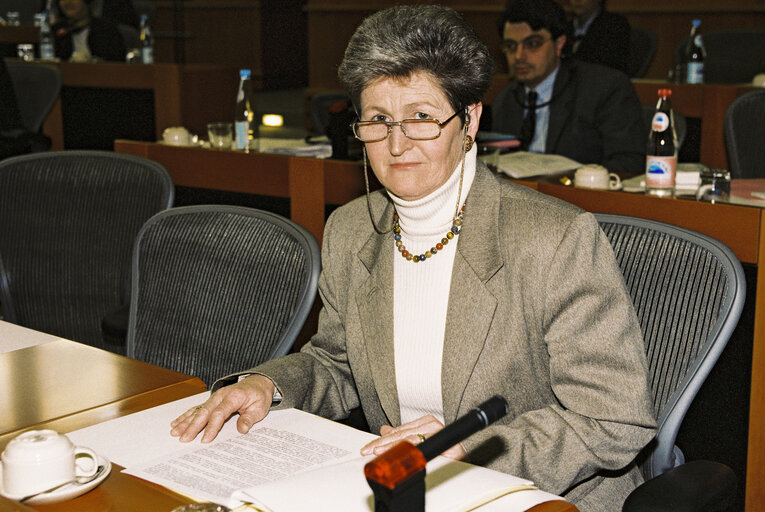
<point x="468" y="143"/>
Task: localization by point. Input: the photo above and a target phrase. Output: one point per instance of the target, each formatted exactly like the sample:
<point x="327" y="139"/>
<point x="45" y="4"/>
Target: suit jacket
<point x="595" y="117"/>
<point x="606" y="42"/>
<point x="538" y="313"/>
<point x="104" y="41"/>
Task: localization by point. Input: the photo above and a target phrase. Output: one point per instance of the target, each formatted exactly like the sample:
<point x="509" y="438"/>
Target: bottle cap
<point x="665" y="93"/>
<point x="696" y="23"/>
<point x="245" y="73"/>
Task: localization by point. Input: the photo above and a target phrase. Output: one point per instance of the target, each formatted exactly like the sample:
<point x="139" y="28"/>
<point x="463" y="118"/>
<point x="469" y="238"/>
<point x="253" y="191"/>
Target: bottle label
<point x="695" y="72"/>
<point x="660" y="122"/>
<point x="660" y="171"/>
<point x="46" y="51"/>
<point x="242" y="129"/>
<point x="147" y="55"/>
<point x="697" y="41"/>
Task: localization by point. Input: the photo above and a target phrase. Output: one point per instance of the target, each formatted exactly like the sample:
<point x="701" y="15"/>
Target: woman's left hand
<point x="415" y="432"/>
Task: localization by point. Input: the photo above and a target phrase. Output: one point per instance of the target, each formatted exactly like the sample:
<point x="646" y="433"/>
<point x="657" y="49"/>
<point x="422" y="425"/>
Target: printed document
<point x="292" y="460"/>
<point x="523" y="164"/>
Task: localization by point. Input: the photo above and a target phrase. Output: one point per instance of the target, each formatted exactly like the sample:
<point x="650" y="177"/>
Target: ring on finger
<point x="421" y="436"/>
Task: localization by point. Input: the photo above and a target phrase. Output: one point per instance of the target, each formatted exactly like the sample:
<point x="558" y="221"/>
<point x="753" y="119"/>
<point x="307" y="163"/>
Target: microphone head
<point x="493" y="409"/>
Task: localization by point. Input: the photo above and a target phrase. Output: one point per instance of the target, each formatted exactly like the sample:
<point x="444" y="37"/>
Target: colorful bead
<point x="455" y="230"/>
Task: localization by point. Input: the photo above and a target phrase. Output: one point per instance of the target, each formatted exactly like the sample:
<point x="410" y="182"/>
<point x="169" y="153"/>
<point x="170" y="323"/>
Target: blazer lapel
<point x="471" y="305"/>
<point x="375" y="305"/>
<point x="561" y="107"/>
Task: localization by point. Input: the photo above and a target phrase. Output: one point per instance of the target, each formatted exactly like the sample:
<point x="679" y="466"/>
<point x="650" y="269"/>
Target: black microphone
<point x="476" y="419"/>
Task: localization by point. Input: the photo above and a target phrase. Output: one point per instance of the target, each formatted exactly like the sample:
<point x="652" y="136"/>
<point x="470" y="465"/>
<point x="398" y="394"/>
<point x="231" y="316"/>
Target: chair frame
<point x="663" y="454"/>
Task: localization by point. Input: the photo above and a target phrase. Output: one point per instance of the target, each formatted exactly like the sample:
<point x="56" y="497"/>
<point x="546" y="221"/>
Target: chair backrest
<point x="732" y="56"/>
<point x="67" y="225"/>
<point x="642" y="50"/>
<point x="37" y="86"/>
<point x="681" y="127"/>
<point x="217" y="289"/>
<point x="744" y="121"/>
<point x="688" y="291"/>
<point x="320" y="105"/>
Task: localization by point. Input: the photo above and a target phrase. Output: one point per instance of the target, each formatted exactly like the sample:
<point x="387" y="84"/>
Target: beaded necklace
<point x="459" y="213"/>
<point x="454" y="231"/>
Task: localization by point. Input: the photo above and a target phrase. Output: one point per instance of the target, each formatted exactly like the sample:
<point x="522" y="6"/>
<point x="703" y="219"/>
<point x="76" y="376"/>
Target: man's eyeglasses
<point x="530" y="44"/>
<point x="415" y="129"/>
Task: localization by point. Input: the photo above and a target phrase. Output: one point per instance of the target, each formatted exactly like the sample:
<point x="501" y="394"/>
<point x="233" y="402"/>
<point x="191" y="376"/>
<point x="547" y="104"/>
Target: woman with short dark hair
<point x="450" y="285"/>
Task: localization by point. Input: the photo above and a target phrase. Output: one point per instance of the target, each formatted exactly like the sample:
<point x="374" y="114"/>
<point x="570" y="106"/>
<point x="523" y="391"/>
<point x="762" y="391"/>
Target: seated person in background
<point x="599" y="36"/>
<point x="538" y="311"/>
<point x="118" y="12"/>
<point x="82" y="37"/>
<point x="14" y="138"/>
<point x="583" y="111"/>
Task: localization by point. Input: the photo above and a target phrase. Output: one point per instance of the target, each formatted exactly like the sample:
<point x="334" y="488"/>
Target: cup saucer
<point x="64" y="493"/>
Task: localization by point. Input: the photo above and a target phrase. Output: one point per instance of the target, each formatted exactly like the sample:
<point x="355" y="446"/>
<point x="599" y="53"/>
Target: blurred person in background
<point x="599" y="36"/>
<point x="587" y="112"/>
<point x="82" y="37"/>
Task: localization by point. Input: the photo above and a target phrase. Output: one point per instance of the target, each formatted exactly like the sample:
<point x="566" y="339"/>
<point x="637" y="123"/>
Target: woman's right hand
<point x="250" y="397"/>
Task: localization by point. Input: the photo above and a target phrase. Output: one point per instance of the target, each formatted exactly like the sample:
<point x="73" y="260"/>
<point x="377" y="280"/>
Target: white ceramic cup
<point x="596" y="176"/>
<point x="38" y="460"/>
<point x="176" y="136"/>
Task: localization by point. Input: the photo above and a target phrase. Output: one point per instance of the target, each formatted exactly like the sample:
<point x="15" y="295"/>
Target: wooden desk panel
<point x="184" y="95"/>
<point x="53" y="381"/>
<point x="309" y="183"/>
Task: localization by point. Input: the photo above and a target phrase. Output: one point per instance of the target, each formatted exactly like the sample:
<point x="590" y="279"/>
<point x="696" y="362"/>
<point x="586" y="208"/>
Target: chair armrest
<point x="691" y="487"/>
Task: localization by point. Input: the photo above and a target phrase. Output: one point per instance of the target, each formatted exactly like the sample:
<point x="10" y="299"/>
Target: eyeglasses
<point x="530" y="44"/>
<point x="415" y="129"/>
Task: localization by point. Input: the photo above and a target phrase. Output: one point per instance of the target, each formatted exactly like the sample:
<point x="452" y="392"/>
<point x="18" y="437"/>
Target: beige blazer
<point x="538" y="313"/>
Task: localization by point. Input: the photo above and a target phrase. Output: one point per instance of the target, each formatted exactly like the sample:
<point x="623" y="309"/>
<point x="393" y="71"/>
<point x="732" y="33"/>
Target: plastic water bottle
<point x="47" y="49"/>
<point x="693" y="56"/>
<point x="661" y="151"/>
<point x="147" y="41"/>
<point x="245" y="122"/>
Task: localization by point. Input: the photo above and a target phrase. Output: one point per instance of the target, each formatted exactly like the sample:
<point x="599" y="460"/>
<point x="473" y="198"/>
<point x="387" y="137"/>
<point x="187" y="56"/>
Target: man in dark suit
<point x="587" y="112"/>
<point x="599" y="36"/>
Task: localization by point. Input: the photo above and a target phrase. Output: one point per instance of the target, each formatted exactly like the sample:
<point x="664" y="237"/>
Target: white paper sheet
<point x="276" y="464"/>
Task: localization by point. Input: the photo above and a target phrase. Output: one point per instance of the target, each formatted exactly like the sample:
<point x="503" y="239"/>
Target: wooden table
<point x="310" y="184"/>
<point x="707" y="102"/>
<point x="65" y="386"/>
<point x="19" y="34"/>
<point x="184" y="95"/>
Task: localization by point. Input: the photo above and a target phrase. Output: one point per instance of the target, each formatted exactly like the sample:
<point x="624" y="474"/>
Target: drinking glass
<point x="221" y="135"/>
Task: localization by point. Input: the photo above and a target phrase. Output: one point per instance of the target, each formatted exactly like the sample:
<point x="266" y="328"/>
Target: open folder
<point x="292" y="460"/>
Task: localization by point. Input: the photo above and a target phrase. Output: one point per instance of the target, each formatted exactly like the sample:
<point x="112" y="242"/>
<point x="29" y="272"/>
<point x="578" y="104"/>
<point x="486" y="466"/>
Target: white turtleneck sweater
<point x="421" y="293"/>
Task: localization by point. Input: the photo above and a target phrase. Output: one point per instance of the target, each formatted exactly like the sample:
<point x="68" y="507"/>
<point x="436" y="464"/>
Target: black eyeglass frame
<point x="534" y="39"/>
<point x="390" y="124"/>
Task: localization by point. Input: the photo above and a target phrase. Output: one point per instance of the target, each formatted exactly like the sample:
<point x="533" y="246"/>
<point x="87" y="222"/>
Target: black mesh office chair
<point x="743" y="135"/>
<point x="37" y="87"/>
<point x="688" y="290"/>
<point x="67" y="225"/>
<point x="733" y="56"/>
<point x="217" y="289"/>
<point x="642" y="50"/>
